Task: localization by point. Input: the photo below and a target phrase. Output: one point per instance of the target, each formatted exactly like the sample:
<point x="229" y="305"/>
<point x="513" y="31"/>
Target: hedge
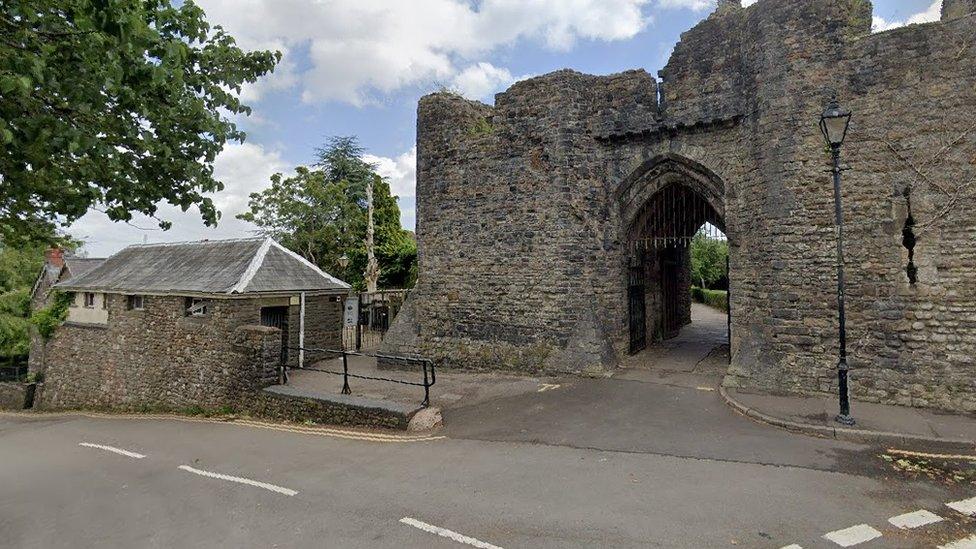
<point x="712" y="298"/>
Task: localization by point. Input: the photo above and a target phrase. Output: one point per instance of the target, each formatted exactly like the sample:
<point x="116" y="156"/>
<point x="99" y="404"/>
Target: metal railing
<point x="427" y="366"/>
<point x="14" y="372"/>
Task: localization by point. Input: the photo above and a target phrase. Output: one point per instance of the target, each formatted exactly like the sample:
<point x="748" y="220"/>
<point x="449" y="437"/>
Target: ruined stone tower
<point x="530" y="213"/>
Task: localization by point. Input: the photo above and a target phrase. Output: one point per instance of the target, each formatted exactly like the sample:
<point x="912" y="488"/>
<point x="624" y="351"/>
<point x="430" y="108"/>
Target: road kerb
<point x="864" y="436"/>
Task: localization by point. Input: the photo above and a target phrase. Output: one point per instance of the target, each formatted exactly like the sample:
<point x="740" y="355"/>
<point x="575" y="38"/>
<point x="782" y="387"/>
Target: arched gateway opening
<point x="672" y="208"/>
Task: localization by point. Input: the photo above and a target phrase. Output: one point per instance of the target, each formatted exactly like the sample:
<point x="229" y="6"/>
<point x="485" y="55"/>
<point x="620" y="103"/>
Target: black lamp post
<point x="834" y="123"/>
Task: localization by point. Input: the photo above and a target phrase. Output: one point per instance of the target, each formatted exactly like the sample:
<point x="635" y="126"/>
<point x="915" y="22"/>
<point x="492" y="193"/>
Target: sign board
<point x="350" y="316"/>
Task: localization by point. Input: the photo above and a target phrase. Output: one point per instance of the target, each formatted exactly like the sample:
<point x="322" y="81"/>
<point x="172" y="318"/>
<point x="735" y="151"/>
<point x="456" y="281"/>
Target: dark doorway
<point x="277" y="317"/>
<point x="663" y="239"/>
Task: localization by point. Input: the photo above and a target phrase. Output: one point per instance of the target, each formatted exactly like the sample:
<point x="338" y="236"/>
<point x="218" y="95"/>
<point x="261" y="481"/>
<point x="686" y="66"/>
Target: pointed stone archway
<point x="663" y="204"/>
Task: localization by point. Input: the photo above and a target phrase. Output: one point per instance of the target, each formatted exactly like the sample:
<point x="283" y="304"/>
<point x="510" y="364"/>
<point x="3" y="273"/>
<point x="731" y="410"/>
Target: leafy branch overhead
<point x="119" y="104"/>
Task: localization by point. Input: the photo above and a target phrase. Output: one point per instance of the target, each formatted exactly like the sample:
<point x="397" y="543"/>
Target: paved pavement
<point x="820" y="412"/>
<point x="572" y="463"/>
<point x="451" y="389"/>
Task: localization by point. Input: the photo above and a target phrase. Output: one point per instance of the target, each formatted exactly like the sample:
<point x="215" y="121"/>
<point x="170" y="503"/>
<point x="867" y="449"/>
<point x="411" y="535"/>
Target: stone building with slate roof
<point x="57" y="267"/>
<point x="161" y="325"/>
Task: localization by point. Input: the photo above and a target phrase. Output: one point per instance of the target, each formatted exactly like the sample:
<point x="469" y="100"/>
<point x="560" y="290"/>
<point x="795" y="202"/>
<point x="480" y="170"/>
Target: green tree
<point x="306" y="214"/>
<point x="321" y="212"/>
<point x="708" y="259"/>
<point x="114" y="104"/>
<point x="20" y="266"/>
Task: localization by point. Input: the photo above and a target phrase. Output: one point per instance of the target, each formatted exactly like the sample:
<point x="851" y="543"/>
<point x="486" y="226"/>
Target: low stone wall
<point x="14" y="395"/>
<point x="292" y="404"/>
<point x="242" y="380"/>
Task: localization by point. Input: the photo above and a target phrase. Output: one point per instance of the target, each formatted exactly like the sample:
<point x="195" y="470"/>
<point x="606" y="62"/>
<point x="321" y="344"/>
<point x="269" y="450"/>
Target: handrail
<point x="430" y="376"/>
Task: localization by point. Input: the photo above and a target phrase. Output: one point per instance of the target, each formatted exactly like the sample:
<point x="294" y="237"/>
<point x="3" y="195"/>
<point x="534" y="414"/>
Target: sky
<point x="358" y="67"/>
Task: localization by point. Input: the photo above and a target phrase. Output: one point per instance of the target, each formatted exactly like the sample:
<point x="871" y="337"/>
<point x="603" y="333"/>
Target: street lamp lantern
<point x="344" y="261"/>
<point x="834" y="123"/>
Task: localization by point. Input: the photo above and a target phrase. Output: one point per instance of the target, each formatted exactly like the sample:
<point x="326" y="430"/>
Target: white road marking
<point x="444" y="533"/>
<point x="119" y="451"/>
<point x="965" y="506"/>
<point x="543" y="387"/>
<point x="265" y="485"/>
<point x="794" y="546"/>
<point x="915" y="520"/>
<point x="849" y="537"/>
<point x="710" y="389"/>
<point x="966" y="543"/>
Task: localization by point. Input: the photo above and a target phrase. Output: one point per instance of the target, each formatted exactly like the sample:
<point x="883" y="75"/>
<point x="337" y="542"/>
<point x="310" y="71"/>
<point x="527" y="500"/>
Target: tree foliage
<point x="14" y="327"/>
<point x="47" y="319"/>
<point x="20" y="266"/>
<point x="320" y="213"/>
<point x="115" y="104"/>
<point x="708" y="259"/>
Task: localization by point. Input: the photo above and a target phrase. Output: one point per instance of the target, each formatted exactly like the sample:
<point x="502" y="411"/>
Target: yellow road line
<point x="910" y="453"/>
<point x="347" y="434"/>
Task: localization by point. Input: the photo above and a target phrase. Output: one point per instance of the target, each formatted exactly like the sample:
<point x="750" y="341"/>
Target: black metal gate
<point x="277" y="317"/>
<point x="670" y="315"/>
<point x="374" y="315"/>
<point x="637" y="308"/>
<point x="660" y="239"/>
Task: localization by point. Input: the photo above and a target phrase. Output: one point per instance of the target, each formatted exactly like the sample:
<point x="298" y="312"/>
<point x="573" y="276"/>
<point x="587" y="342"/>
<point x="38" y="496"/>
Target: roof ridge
<point x="204" y="241"/>
<point x="252" y="267"/>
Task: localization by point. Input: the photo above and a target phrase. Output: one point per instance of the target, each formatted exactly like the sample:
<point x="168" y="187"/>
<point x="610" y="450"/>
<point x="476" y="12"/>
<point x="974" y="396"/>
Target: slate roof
<point x="51" y="274"/>
<point x="241" y="266"/>
<point x="78" y="266"/>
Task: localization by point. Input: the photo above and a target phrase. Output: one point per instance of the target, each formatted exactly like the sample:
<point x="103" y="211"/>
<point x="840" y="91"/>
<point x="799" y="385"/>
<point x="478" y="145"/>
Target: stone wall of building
<point x="524" y="208"/>
<point x="158" y="358"/>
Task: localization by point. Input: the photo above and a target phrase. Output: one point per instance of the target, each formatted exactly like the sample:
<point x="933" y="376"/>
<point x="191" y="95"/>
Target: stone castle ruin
<point x="534" y="215"/>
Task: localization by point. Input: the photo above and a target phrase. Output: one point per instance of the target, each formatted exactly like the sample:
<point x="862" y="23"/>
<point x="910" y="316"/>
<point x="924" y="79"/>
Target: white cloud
<point x="482" y="80"/>
<point x="930" y="14"/>
<point x="360" y="50"/>
<point x="695" y="5"/>
<point x="285" y="75"/>
<point x="400" y="172"/>
<point x="244" y="168"/>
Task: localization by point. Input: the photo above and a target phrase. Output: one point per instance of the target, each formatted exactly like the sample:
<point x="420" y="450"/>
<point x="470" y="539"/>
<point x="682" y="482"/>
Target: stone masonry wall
<point x="158" y="358"/>
<point x="524" y="208"/>
<point x="13" y="395"/>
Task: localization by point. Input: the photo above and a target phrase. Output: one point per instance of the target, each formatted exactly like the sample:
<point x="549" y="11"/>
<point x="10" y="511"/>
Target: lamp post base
<point x="845" y="420"/>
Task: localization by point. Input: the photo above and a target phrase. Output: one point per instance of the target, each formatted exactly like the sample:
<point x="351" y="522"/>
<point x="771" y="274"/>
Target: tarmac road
<point x="594" y="463"/>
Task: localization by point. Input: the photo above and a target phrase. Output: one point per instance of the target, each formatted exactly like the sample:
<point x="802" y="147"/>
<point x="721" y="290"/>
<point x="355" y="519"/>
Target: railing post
<point x="345" y="374"/>
<point x="426" y="401"/>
